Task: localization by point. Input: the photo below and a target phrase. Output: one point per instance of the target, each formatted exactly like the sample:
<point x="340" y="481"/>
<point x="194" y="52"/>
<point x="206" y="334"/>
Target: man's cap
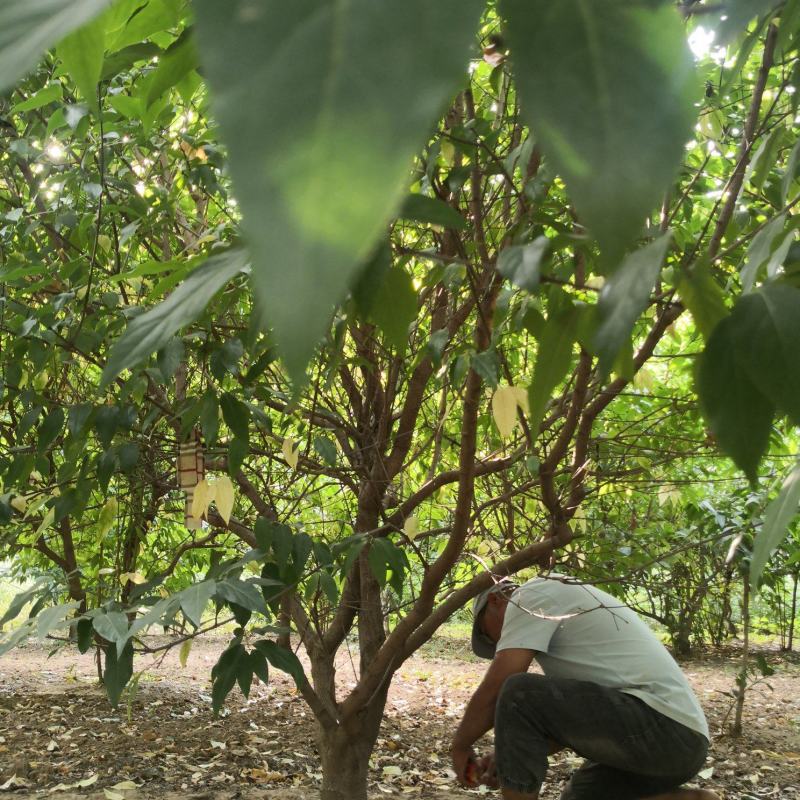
<point x="482" y="645"/>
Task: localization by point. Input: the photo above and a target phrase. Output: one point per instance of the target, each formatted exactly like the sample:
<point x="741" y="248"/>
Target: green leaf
<point x="608" y="87"/>
<point x="237" y="452"/>
<point x="384" y="556"/>
<point x="127" y="455"/>
<point x="124" y="59"/>
<point x="735" y="15"/>
<point x="780" y="512"/>
<point x="522" y="263"/>
<point x="739" y="415"/>
<point x="169" y="358"/>
<point x="84" y="633"/>
<point x="152" y="330"/>
<point x="790" y="173"/>
<point x="226" y="359"/>
<point x="553" y="359"/>
<point x="209" y="417"/>
<point x="244" y="676"/>
<point x="82" y="56"/>
<point x="367" y="283"/>
<point x="763" y="160"/>
<point x="322" y="107"/>
<point x="15" y="637"/>
<point x="173" y="65"/>
<point x="236" y="415"/>
<point x="106" y="422"/>
<point x="625" y="295"/>
<point x="258" y="665"/>
<point x="118" y="671"/>
<point x="329" y="586"/>
<point x="487" y="365"/>
<point x="282" y="659"/>
<point x="156" y="16"/>
<point x="50" y="429"/>
<point x="225" y="673"/>
<point x="326" y="449"/>
<point x="704" y="298"/>
<point x="50" y="94"/>
<point x="194" y="600"/>
<point x="54" y="617"/>
<point x="77" y="418"/>
<point x="243" y="594"/>
<point x="766" y="336"/>
<point x="113" y="626"/>
<point x="28" y="28"/>
<point x="20" y="601"/>
<point x="759" y="251"/>
<point x="395" y="307"/>
<point x="421" y="208"/>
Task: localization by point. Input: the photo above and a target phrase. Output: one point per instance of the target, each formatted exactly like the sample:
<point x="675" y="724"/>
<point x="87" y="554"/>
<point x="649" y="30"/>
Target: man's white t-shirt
<point x="581" y="632"/>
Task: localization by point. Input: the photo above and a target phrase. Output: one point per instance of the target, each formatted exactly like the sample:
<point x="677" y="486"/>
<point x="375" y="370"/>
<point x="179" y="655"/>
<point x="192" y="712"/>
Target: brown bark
<point x="345" y="751"/>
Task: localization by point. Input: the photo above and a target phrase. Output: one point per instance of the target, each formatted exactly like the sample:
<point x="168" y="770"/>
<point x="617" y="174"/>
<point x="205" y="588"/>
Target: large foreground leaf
<point x="554" y="356"/>
<point x="608" y="88"/>
<point x="766" y="337"/>
<point x="151" y="331"/>
<point x="739" y="414"/>
<point x="322" y="106"/>
<point x="780" y="513"/>
<point x="625" y="296"/>
<point x="117" y="672"/>
<point x="29" y="27"/>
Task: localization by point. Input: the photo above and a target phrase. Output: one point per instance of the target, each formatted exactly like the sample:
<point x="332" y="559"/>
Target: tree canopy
<point x="422" y="293"/>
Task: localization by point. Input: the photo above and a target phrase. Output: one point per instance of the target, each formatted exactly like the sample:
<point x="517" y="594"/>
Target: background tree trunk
<point x="736" y="728"/>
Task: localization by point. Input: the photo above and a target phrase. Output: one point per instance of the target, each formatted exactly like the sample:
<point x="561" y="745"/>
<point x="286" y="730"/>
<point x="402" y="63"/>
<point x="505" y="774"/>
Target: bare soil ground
<point x="59" y="736"/>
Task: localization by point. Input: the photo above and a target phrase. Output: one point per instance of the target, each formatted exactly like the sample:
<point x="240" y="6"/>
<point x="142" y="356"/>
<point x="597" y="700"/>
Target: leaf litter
<point x="59" y="736"/>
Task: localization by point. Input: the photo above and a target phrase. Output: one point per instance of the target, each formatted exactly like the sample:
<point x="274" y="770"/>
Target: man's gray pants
<point x="631" y="750"/>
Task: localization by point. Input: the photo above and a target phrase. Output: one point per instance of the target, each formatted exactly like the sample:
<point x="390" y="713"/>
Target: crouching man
<point x="610" y="692"/>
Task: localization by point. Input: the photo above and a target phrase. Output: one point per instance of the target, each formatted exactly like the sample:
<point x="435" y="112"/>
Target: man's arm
<point x="479" y="714"/>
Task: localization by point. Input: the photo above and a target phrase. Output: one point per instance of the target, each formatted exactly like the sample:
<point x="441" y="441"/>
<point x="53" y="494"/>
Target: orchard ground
<point x="60" y="738"/>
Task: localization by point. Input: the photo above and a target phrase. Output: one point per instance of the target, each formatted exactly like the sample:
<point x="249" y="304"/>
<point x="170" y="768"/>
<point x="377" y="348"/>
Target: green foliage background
<point x="325" y="239"/>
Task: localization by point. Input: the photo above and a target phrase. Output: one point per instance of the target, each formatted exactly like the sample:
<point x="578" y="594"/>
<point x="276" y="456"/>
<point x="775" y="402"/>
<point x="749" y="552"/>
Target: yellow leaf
<point x="644" y="379"/>
<point x="133" y="577"/>
<point x="183" y="655"/>
<point x="223" y="497"/>
<point x="202" y="496"/>
<point x="107" y="517"/>
<point x="35" y="505"/>
<point x="521" y="396"/>
<point x="411" y="527"/>
<point x="20" y="502"/>
<point x="112" y="795"/>
<point x="448" y="151"/>
<point x="291" y="452"/>
<point x="504" y="410"/>
<point x="46" y="522"/>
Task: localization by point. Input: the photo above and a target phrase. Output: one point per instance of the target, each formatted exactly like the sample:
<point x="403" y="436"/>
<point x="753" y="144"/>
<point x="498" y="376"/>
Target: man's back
<point x="579" y="631"/>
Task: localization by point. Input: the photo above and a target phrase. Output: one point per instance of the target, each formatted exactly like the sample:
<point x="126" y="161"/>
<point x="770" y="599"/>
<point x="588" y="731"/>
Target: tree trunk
<point x="793" y="614"/>
<point x="345" y="750"/>
<point x="741" y="681"/>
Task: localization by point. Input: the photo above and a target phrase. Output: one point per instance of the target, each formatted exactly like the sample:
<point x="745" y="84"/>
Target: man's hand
<point x="463" y="759"/>
<point x="487" y="771"/>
